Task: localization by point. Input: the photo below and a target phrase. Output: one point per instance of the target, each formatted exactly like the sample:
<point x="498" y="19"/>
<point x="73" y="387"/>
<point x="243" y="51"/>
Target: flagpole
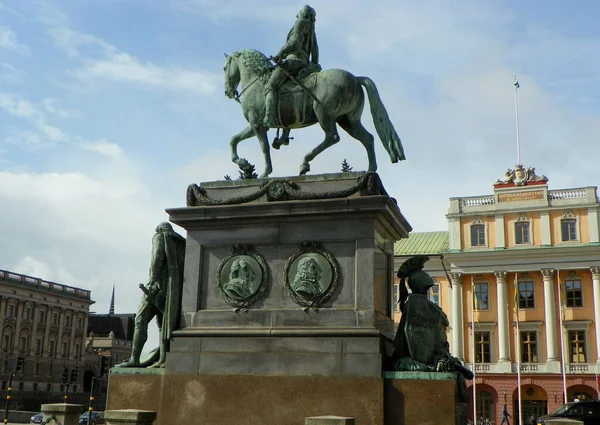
<point x="518" y="349"/>
<point x="473" y="350"/>
<point x="517" y="85"/>
<point x="562" y="343"/>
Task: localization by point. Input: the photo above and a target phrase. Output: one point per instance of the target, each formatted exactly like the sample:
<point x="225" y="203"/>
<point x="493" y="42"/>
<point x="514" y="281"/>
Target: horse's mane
<point x="255" y="61"/>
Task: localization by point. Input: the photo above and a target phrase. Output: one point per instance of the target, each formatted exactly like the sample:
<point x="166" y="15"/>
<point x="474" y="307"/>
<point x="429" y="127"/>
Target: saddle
<point x="307" y="77"/>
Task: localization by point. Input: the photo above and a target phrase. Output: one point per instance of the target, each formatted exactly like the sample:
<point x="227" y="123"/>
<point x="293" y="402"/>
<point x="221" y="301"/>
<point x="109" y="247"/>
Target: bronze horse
<point x="336" y="98"/>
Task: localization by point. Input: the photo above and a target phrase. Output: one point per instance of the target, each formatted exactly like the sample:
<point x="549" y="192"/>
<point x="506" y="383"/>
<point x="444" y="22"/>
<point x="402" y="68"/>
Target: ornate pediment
<point x="521" y="176"/>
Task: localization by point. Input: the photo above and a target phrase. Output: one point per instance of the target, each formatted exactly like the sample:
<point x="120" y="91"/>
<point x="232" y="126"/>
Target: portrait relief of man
<point x="242" y="280"/>
<point x="307" y="281"/>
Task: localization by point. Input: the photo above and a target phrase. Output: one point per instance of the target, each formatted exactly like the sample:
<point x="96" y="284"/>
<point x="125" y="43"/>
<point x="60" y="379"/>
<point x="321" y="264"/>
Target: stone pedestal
<point x="66" y="414"/>
<point x="129" y="417"/>
<point x="423" y="398"/>
<point x="286" y="306"/>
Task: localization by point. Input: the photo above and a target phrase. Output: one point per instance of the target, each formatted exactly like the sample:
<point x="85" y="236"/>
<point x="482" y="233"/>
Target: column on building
<point x="61" y="326"/>
<point x="550" y="315"/>
<point x="456" y="316"/>
<point x="17" y="338"/>
<point x="33" y="336"/>
<point x="85" y="328"/>
<point x="2" y="314"/>
<point x="72" y="339"/>
<point x="503" y="330"/>
<point x="596" y="287"/>
<point x="47" y="331"/>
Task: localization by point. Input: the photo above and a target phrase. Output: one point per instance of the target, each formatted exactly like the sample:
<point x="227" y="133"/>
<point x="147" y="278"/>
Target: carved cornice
<point x="595" y="272"/>
<point x="286" y="190"/>
<point x="500" y="276"/>
<point x="548" y="274"/>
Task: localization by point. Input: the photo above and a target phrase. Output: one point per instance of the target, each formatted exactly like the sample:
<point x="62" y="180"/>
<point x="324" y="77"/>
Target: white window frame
<point x="529" y="327"/>
<point x="528" y="280"/>
<point x="489" y="327"/>
<point x="523" y="219"/>
<point x="577" y="325"/>
<point x="581" y="280"/>
<point x="570" y="216"/>
<point x="479" y="222"/>
<point x="480" y="281"/>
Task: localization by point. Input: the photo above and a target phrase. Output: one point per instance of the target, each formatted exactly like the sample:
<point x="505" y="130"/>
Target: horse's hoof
<point x="276" y="143"/>
<point x="304" y="168"/>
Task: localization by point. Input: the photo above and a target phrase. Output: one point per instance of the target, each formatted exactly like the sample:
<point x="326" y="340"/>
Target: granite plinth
<point x="412" y="398"/>
<point x="244" y="399"/>
<point x="277" y="356"/>
<point x="359" y="231"/>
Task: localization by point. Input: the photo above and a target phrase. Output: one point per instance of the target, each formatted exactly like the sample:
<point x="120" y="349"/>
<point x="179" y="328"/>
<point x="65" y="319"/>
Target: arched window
<point x="485" y="405"/>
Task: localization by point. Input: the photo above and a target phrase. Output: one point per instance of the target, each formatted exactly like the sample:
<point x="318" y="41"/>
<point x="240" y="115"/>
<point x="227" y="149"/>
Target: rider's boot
<point x="270" y="118"/>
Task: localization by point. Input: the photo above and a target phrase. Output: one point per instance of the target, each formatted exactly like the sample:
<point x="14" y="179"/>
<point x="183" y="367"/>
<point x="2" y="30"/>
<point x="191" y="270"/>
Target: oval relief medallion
<point x="311" y="275"/>
<point x="242" y="276"/>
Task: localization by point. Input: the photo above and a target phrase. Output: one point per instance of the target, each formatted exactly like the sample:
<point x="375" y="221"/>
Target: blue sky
<point x="110" y="108"/>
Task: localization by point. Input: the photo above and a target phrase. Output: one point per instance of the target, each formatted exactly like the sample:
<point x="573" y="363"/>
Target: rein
<point x="238" y="96"/>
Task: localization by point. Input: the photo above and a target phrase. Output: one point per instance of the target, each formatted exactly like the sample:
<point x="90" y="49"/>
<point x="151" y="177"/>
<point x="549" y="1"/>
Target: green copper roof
<point x="422" y="243"/>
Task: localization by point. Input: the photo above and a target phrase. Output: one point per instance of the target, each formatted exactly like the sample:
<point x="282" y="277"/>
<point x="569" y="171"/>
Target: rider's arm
<point x="158" y="257"/>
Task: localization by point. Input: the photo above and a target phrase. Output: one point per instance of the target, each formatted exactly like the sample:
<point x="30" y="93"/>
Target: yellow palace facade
<point x="518" y="274"/>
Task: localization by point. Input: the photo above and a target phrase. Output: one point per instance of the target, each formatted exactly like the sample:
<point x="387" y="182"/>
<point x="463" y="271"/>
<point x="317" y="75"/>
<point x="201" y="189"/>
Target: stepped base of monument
<point x="423" y="398"/>
<point x="245" y="399"/>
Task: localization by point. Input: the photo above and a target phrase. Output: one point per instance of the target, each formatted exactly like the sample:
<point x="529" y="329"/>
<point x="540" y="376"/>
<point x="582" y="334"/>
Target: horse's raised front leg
<point x="264" y="146"/>
<point x="235" y="140"/>
<point x="331" y="138"/>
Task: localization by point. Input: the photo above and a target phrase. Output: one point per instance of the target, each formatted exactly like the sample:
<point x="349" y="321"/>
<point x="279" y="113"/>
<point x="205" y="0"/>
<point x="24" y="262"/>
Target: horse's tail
<point x="383" y="125"/>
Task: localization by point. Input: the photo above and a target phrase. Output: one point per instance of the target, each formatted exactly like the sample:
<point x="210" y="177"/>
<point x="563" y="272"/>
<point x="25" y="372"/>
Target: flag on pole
<point x="562" y="294"/>
<point x="475" y="303"/>
<point x="516" y="83"/>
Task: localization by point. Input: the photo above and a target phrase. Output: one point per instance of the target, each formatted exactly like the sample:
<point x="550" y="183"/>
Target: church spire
<point x="112" y="301"/>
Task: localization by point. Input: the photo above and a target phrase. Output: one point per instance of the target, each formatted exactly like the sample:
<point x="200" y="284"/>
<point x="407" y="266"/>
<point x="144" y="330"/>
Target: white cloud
<point x="50" y="106"/>
<point x="8" y="40"/>
<point x="45" y="134"/>
<point x="103" y="61"/>
<point x="92" y="231"/>
<point x="18" y="107"/>
<point x="105" y="148"/>
<point x="121" y="67"/>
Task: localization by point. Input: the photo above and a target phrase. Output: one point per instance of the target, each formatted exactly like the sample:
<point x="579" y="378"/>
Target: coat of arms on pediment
<point x="520" y="176"/>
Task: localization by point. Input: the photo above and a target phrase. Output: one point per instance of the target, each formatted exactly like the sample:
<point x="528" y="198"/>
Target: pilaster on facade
<point x="2" y="314"/>
<point x="545" y="228"/>
<point x="72" y="339"/>
<point x="503" y="332"/>
<point x="61" y="327"/>
<point x="595" y="270"/>
<point x="46" y="348"/>
<point x="454" y="237"/>
<point x="456" y="316"/>
<point x="550" y="315"/>
<point x="594" y="225"/>
<point x="499" y="226"/>
<point x="33" y="333"/>
<point x="17" y="333"/>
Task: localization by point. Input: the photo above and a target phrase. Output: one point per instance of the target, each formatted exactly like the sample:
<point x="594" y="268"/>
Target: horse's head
<point x="232" y="76"/>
